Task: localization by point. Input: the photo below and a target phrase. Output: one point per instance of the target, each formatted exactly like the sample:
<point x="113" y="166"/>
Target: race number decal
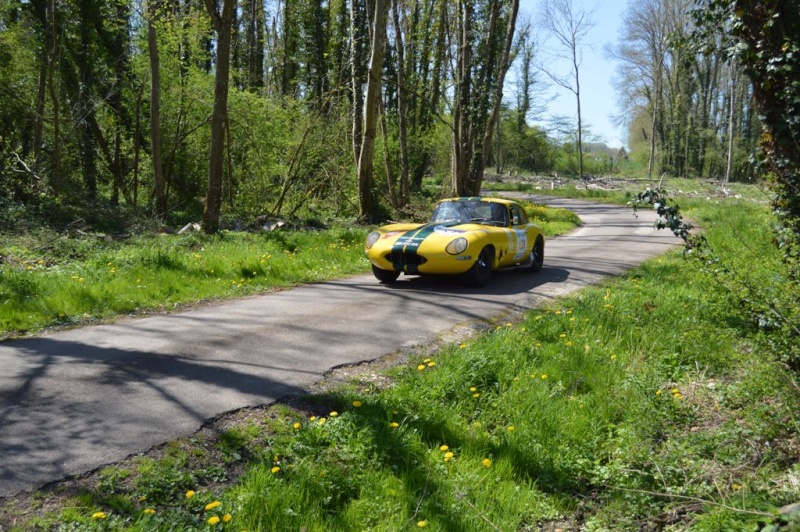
<point x="522" y="244"/>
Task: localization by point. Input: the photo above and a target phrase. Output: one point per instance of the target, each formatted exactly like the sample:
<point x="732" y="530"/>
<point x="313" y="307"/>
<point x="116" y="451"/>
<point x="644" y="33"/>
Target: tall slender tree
<point x="159" y="190"/>
<point x="222" y="20"/>
<point x="482" y="60"/>
<point x="366" y="201"/>
<point x="569" y="25"/>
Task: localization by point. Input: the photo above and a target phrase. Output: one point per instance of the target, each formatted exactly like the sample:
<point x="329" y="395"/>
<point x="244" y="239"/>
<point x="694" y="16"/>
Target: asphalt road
<point x="76" y="400"/>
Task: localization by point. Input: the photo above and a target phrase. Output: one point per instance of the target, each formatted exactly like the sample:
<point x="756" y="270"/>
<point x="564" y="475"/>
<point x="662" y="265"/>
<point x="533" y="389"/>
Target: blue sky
<point x="598" y="100"/>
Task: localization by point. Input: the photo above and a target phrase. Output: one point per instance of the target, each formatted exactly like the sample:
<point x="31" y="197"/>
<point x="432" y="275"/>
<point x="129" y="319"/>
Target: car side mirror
<point x="516" y="220"/>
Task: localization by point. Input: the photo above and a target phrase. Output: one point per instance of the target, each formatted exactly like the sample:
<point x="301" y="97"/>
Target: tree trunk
<point x="402" y="108"/>
<point x="365" y="161"/>
<point x="357" y="36"/>
<point x="44" y="72"/>
<point x="51" y="83"/>
<point x="497" y="98"/>
<point x="155" y="115"/>
<point x="223" y="24"/>
<point x="461" y="123"/>
<point x="731" y="114"/>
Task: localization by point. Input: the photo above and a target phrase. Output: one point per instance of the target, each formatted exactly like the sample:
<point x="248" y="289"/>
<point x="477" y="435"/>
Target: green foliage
<point x="765" y="38"/>
<point x="768" y="297"/>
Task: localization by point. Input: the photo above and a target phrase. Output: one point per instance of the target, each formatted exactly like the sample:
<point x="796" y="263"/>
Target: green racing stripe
<point x="410" y="242"/>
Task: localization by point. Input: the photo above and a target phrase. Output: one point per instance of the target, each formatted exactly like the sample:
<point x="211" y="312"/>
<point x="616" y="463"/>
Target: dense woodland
<point x="180" y="108"/>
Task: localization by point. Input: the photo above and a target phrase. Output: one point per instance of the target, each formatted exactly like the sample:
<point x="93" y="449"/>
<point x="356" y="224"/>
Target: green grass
<point x="41" y="289"/>
<point x="51" y="280"/>
<point x="645" y="402"/>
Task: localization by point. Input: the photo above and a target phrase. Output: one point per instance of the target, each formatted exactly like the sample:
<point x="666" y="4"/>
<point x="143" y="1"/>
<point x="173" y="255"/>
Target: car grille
<point x="400" y="258"/>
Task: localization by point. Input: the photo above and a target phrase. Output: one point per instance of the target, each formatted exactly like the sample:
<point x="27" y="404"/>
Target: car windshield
<point x="470" y="211"/>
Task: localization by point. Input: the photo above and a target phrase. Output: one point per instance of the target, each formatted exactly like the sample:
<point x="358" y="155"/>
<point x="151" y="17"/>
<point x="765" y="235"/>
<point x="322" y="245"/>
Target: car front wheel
<point x="385" y="276"/>
<point x="481" y="271"/>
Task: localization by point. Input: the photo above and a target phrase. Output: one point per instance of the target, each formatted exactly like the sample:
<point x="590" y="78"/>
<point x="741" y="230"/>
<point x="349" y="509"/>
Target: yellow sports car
<point x="469" y="236"/>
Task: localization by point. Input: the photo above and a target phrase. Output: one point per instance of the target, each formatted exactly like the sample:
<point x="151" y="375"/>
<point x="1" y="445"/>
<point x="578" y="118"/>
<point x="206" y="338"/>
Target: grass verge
<point x="643" y="404"/>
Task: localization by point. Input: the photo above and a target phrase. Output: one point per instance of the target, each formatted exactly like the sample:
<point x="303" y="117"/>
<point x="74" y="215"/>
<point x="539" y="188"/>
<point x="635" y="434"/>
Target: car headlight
<point x="371" y="239"/>
<point x="457" y="246"/>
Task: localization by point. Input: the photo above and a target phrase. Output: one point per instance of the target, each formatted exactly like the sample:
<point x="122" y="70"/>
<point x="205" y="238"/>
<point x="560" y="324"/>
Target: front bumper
<point x="422" y="263"/>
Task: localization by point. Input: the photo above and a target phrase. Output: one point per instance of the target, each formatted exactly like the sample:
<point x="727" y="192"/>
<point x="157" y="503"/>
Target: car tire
<point x="536" y="258"/>
<point x="384" y="276"/>
<point x="481" y="271"/>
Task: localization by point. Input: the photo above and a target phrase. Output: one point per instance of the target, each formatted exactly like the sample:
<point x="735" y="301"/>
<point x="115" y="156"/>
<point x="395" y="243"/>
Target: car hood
<point x="408" y="238"/>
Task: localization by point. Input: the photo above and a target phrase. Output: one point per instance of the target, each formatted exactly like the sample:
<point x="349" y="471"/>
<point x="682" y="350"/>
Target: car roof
<point x="478" y="198"/>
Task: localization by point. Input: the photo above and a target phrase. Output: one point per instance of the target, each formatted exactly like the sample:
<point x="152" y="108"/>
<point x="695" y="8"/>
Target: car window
<point x="445" y="211"/>
<point x="482" y="212"/>
<point x="499" y="214"/>
<point x="518" y="216"/>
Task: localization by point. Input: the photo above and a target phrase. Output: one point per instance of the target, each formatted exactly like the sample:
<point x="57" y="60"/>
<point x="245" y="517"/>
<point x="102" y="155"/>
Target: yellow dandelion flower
<point x="431" y="364"/>
<point x="476" y="395"/>
<point x="99" y="515"/>
<point x="658" y="392"/>
<point x="321" y="421"/>
<point x="613" y="357"/>
<point x="444" y="448"/>
<point x="334" y="413"/>
<point x="312" y="418"/>
<point x="675" y="390"/>
<point x="448" y="456"/>
<point x="213" y="520"/>
<point x="275" y="469"/>
<point x="357" y="404"/>
<point x="297" y="426"/>
<point x="568" y="344"/>
<point x="149" y="511"/>
<point x="227" y="518"/>
<point x="212" y="505"/>
<point x="558" y="313"/>
<point x="142" y="498"/>
<point x="473" y="389"/>
<point x="189" y="494"/>
<point x="422" y="524"/>
<point x="486" y="462"/>
<point x="462" y="346"/>
<point x="421" y="367"/>
<point x="562" y="335"/>
<point x="544" y="376"/>
<point x="426" y="360"/>
<point x="511" y="428"/>
<point x="394" y="424"/>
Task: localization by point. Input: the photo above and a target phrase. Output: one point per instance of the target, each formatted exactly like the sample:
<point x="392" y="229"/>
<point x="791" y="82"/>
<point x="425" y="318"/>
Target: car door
<point x="519" y="226"/>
